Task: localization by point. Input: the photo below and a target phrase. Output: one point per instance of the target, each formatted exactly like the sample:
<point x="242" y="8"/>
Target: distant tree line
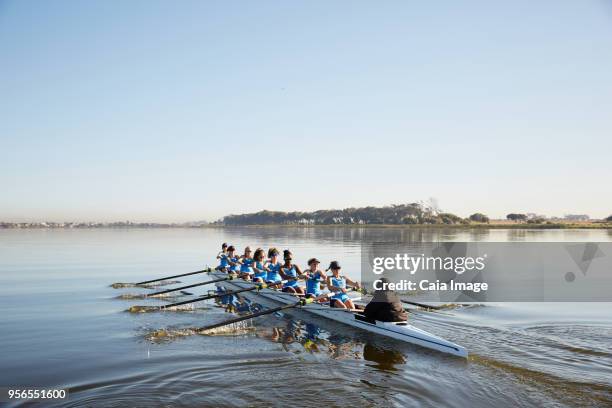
<point x="414" y="213"/>
<point x="540" y="219"/>
<point x="529" y="218"/>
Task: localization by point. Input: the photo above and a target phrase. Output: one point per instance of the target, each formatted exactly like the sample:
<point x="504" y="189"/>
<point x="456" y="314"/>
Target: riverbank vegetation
<point x="415" y="214"/>
<point x="402" y="215"/>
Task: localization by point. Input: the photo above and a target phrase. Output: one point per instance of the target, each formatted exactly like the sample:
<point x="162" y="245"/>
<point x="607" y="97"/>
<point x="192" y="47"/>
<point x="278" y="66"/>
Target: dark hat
<point x="311" y="260"/>
<point x="224" y="245"/>
<point x="231" y="248"/>
<point x="334" y="265"/>
<point x="272" y="251"/>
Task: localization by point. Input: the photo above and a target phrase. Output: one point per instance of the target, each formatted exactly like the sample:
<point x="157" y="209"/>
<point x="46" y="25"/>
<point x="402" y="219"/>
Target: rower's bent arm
<point x="352" y="282"/>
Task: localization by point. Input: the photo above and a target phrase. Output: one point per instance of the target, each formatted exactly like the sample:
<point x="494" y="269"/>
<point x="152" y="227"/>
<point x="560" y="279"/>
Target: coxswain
<point x="385" y="306"/>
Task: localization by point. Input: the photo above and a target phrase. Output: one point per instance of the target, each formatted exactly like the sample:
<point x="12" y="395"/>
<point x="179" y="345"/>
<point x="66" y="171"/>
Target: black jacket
<point x="385" y="306"/>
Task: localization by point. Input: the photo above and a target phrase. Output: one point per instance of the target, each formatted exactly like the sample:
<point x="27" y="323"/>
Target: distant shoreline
<point x="590" y="225"/>
<point x="416" y="215"/>
<point x="480" y="226"/>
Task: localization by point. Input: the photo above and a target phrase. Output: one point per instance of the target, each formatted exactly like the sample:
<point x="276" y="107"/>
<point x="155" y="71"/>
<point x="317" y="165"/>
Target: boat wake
<point x="590" y="394"/>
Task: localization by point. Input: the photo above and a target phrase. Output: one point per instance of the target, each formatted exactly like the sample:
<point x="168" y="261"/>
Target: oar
<point x="216" y="295"/>
<point x="250" y="316"/>
<point x="161" y="292"/>
<point x="119" y="285"/>
<point x="139" y="309"/>
<point x="174" y="276"/>
<point x="363" y="291"/>
<point x="422" y="305"/>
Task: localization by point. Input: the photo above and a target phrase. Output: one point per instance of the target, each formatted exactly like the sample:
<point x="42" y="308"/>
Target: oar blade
<point x="119" y="285"/>
<point x="249" y="316"/>
<point x="142" y="309"/>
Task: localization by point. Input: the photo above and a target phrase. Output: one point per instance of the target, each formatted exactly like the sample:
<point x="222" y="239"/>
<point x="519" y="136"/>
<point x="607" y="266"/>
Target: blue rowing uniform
<point x="246" y="265"/>
<point x="313" y="283"/>
<point x="234" y="268"/>
<point x="260" y="275"/>
<point x="274" y="273"/>
<point x="291" y="273"/>
<point x="339" y="282"/>
<point x="223" y="261"/>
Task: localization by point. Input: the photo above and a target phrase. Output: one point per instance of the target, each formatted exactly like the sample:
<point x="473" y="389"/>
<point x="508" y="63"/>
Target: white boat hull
<point x="399" y="331"/>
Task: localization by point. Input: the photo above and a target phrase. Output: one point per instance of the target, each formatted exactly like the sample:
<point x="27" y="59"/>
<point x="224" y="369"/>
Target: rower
<point x="232" y="260"/>
<point x="246" y="262"/>
<point x="273" y="268"/>
<point x="337" y="285"/>
<point x="314" y="278"/>
<point x="222" y="257"/>
<point x="385" y="306"/>
<point x="259" y="270"/>
<point x="290" y="272"/>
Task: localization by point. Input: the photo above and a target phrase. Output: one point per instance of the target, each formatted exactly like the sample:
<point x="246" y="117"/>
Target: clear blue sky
<point x="175" y="111"/>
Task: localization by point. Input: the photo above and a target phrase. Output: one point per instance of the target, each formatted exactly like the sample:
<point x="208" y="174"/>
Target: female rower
<point x="314" y="277"/>
<point x="337" y="285"/>
<point x="273" y="268"/>
<point x="259" y="269"/>
<point x="290" y="272"/>
<point x="232" y="260"/>
<point x="222" y="257"/>
<point x="246" y="262"/>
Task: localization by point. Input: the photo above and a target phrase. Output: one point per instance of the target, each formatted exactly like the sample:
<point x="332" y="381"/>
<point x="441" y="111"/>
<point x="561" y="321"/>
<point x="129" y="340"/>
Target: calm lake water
<point x="63" y="326"/>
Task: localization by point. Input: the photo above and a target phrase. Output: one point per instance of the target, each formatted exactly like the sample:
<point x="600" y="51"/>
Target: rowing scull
<point x="398" y="330"/>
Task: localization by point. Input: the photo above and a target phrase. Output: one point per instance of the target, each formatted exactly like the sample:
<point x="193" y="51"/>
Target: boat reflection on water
<point x="293" y="334"/>
<point x="314" y="339"/>
<point x="385" y="359"/>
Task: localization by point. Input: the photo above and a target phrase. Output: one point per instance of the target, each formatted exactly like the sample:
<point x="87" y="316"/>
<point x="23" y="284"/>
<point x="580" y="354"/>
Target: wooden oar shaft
<point x="161" y="292"/>
<point x="250" y="316"/>
<point x="172" y="277"/>
<point x="199" y="299"/>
